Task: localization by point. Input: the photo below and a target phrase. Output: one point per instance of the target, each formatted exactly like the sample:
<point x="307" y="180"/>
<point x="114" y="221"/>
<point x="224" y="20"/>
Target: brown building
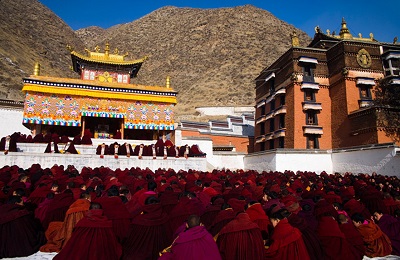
<point x="321" y="96"/>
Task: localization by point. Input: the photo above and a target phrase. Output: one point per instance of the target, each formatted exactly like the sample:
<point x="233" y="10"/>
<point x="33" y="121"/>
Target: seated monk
<point x="92" y="238"/>
<point x="376" y="242"/>
<point x="149" y="232"/>
<point x="223" y="217"/>
<point x="58" y="233"/>
<point x="52" y="147"/>
<point x="391" y="227"/>
<point x="118" y="135"/>
<point x="102" y="149"/>
<point x="47" y="137"/>
<point x="87" y="137"/>
<point x="38" y="138"/>
<point x="77" y="140"/>
<point x="126" y="149"/>
<point x="55" y="137"/>
<point x="64" y="139"/>
<point x="241" y="239"/>
<point x="352" y="236"/>
<point x="8" y="144"/>
<point x="184" y="151"/>
<point x="286" y="241"/>
<point x="21" y="234"/>
<point x="114" y="149"/>
<point x="195" y="150"/>
<point x="333" y="241"/>
<point x="69" y="148"/>
<point x="193" y="243"/>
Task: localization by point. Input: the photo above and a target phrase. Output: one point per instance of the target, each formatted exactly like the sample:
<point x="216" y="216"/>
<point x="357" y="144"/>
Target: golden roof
<point x="98" y="89"/>
<point x="105" y="57"/>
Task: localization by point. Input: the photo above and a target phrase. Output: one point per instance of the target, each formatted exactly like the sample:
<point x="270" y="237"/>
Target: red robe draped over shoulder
<point x="195" y="244"/>
<point x="20" y="233"/>
<point x="287" y="243"/>
<point x="149" y="234"/>
<point x="333" y="240"/>
<point x="376" y="242"/>
<point x="92" y="239"/>
<point x="241" y="239"/>
<point x="354" y="238"/>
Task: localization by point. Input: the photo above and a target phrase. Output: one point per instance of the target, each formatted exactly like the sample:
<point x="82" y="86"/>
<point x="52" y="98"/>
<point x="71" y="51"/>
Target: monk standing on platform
<point x="193" y="243"/>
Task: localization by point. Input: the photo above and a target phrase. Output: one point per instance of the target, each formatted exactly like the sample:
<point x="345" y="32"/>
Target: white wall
<point x="222" y="110"/>
<point x="11" y="122"/>
<point x="381" y="160"/>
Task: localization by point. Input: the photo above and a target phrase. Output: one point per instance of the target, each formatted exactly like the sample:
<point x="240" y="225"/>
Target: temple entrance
<point x="103" y="127"/>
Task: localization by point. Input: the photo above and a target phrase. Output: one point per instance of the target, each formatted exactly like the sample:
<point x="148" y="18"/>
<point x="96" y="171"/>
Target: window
<point x="262" y="110"/>
<point x="312" y="142"/>
<point x="272" y="144"/>
<point x="365" y="92"/>
<point x="272" y="105"/>
<point x="281" y="121"/>
<point x="282" y="100"/>
<point x="272" y="125"/>
<point x="308" y="73"/>
<point x="262" y="128"/>
<point x="262" y="146"/>
<point x="281" y="142"/>
<point x="309" y="95"/>
<point x="271" y="86"/>
<point x="311" y="118"/>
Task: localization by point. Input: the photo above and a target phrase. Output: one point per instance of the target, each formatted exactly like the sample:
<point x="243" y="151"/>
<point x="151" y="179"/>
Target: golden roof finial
<point x="344" y="31"/>
<point x="107" y="49"/>
<point x="295" y="39"/>
<point x="36" y="70"/>
<point x="97" y="48"/>
<point x="168" y="85"/>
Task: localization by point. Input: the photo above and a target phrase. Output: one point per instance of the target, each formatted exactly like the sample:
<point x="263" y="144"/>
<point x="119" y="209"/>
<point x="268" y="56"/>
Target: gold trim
<point x="98" y="94"/>
<point x="107" y="59"/>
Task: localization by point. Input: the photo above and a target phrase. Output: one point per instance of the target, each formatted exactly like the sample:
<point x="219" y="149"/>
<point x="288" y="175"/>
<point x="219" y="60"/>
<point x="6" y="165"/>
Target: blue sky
<point x="362" y="16"/>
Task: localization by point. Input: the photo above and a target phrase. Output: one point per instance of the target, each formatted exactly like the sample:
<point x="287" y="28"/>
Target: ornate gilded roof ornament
<point x="36" y="70"/>
<point x="344" y="31"/>
<point x="328" y="32"/>
<point x="295" y="39"/>
<point x="70" y="48"/>
<point x="317" y="29"/>
<point x="116" y="51"/>
<point x="168" y="82"/>
<point x="371" y="36"/>
<point x="395" y="40"/>
<point x="97" y="48"/>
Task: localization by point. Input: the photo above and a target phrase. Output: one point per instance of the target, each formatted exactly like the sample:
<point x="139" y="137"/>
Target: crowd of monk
<point x="136" y="213"/>
<point x="161" y="148"/>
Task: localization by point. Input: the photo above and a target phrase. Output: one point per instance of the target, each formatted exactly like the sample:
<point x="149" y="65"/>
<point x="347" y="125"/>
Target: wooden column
<point x="83" y="125"/>
<point x="122" y="128"/>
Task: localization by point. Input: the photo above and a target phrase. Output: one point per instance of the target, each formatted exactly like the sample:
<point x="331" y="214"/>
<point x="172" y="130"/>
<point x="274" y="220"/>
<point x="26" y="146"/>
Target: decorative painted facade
<point x="104" y="90"/>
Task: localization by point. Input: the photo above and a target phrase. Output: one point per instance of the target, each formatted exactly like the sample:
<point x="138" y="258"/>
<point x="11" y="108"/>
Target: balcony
<point x="365" y="103"/>
<point x="260" y="139"/>
<point x="309" y="85"/>
<point x="311" y="106"/>
<point x="260" y="119"/>
<point x="280" y="110"/>
<point x="280" y="133"/>
<point x="312" y="129"/>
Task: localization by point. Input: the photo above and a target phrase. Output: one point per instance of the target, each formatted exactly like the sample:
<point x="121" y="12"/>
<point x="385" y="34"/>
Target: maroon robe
<point x="98" y="150"/>
<point x="376" y="242"/>
<point x="115" y="210"/>
<point x="391" y="227"/>
<point x="20" y="233"/>
<point x="195" y="244"/>
<point x="222" y="218"/>
<point x="287" y="243"/>
<point x="354" y="238"/>
<point x="333" y="240"/>
<point x="70" y="148"/>
<point x="12" y="145"/>
<point x="149" y="234"/>
<point x="241" y="239"/>
<point x="92" y="239"/>
<point x="311" y="240"/>
<point x="57" y="208"/>
<point x="52" y="147"/>
<point x="258" y="216"/>
<point x="183" y="210"/>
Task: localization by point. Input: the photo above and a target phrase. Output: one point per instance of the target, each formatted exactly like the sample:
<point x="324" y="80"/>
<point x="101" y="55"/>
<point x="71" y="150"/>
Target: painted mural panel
<point x="65" y="110"/>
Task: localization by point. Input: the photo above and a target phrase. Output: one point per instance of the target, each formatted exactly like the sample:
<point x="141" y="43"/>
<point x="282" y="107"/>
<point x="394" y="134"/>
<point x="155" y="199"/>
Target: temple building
<point x="103" y="100"/>
<point x="321" y="96"/>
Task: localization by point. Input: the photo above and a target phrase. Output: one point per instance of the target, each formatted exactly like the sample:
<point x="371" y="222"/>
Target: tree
<point x="387" y="103"/>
